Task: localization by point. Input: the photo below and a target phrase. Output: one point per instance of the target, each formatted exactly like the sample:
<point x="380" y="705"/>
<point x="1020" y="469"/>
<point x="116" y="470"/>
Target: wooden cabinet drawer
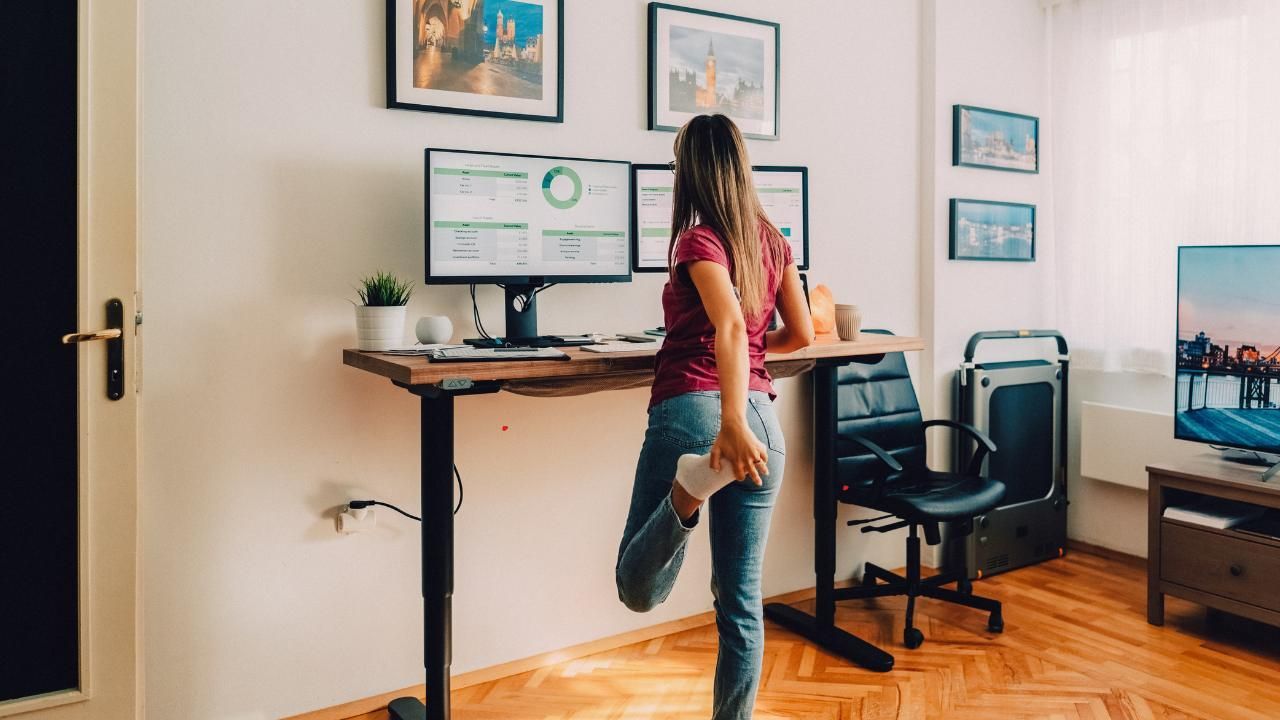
<point x="1215" y="563"/>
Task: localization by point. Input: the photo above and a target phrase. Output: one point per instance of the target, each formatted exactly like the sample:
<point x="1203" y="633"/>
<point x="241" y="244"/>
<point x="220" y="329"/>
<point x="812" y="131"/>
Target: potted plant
<point x="380" y="314"/>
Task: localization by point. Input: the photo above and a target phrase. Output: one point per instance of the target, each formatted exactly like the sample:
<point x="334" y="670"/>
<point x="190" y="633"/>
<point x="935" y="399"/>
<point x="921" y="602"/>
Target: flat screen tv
<point x="1228" y="347"/>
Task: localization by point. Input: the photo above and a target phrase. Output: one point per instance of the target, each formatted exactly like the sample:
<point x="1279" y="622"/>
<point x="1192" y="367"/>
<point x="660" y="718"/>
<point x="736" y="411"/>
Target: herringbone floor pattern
<point x="1076" y="646"/>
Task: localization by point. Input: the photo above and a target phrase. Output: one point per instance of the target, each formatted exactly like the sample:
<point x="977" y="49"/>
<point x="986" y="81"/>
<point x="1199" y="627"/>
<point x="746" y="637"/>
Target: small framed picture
<point x="984" y="230"/>
<point x="704" y="63"/>
<point x="995" y="139"/>
<point x="497" y="58"/>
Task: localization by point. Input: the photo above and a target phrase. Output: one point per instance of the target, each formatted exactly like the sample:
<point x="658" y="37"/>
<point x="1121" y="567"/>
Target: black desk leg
<point x="437" y="560"/>
<point x="820" y="628"/>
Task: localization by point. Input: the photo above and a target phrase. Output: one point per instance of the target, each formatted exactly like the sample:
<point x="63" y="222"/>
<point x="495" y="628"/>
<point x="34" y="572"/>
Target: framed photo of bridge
<point x="703" y="62"/>
<point x="497" y="58"/>
<point x="986" y="230"/>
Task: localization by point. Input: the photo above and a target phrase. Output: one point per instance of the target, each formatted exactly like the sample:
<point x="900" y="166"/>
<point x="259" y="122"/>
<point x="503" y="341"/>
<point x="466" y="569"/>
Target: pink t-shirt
<point x="687" y="360"/>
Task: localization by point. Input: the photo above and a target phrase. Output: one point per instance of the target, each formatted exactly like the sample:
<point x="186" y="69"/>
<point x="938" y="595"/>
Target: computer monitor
<point x="783" y="193"/>
<point x="524" y="221"/>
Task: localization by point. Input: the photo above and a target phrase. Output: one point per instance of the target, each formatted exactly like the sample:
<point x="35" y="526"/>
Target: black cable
<point x="361" y="504"/>
<point x="475" y="315"/>
<point x="460" y="492"/>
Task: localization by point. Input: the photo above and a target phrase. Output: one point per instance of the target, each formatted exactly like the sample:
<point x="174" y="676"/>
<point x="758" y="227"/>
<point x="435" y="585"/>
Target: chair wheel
<point x="996" y="623"/>
<point x="912" y="638"/>
<point x="964" y="586"/>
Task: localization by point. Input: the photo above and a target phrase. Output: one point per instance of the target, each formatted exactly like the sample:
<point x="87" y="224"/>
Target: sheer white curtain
<point x="1166" y="132"/>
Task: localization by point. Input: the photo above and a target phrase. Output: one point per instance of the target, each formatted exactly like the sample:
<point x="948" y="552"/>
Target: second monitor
<point x="783" y="193"/>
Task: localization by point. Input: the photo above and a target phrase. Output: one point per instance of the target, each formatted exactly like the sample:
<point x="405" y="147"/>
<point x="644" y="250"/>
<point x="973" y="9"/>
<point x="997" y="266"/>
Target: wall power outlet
<point x="354" y="521"/>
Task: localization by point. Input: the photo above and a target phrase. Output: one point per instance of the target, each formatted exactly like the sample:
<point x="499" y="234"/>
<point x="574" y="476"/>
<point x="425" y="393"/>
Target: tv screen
<point x="1228" y="347"/>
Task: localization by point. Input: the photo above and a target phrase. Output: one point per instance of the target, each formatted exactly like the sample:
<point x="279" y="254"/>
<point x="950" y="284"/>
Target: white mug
<point x="434" y="329"/>
<point x="848" y="322"/>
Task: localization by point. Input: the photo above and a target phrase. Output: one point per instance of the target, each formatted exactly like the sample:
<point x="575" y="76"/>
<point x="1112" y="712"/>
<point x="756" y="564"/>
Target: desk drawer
<point x="1214" y="563"/>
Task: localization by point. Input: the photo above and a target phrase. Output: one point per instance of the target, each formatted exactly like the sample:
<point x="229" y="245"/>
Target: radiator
<point x="1117" y="443"/>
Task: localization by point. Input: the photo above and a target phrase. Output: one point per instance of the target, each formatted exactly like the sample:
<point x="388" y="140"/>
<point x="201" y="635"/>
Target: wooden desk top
<point x="584" y="366"/>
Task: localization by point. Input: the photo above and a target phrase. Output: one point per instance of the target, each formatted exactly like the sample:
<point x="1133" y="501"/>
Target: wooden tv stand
<point x="1229" y="570"/>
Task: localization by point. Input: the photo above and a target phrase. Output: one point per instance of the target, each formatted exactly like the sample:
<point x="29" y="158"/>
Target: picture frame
<point x="992" y="231"/>
<point x="443" y="58"/>
<point x="745" y="76"/>
<point x="994" y="139"/>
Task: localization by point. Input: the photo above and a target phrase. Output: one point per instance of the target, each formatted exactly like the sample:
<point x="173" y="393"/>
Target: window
<point x="1165" y="123"/>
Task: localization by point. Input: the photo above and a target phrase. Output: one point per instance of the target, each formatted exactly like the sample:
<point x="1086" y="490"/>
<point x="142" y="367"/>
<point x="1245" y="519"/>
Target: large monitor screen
<point x="1228" y="347"/>
<point x="526" y="219"/>
<point x="783" y="192"/>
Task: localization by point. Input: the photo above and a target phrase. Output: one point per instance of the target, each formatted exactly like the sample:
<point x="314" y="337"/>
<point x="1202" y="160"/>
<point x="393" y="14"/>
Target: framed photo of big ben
<point x="703" y="63"/>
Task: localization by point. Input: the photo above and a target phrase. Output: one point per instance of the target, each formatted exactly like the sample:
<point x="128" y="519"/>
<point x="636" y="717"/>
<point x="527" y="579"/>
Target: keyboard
<point x="623" y="347"/>
<point x="471" y="354"/>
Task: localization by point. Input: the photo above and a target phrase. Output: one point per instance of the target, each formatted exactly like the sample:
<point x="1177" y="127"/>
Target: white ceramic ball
<point x="434" y="329"/>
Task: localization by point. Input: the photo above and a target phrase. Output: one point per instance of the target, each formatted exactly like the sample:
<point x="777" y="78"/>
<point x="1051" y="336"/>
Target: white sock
<point x="695" y="475"/>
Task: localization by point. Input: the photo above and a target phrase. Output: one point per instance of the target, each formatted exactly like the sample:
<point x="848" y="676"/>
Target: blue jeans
<point x="653" y="543"/>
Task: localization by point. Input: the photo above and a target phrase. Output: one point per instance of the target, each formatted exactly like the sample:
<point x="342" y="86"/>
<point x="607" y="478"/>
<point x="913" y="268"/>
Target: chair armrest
<point x="967" y="429"/>
<point x="880" y="453"/>
<point x="985" y="444"/>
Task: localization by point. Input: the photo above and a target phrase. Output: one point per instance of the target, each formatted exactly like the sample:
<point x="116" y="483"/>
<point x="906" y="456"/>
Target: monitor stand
<point x="1249" y="457"/>
<point x="1271" y="472"/>
<point x="522" y="324"/>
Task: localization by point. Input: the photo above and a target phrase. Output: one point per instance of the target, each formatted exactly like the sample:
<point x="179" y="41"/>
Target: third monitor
<point x="783" y="193"/>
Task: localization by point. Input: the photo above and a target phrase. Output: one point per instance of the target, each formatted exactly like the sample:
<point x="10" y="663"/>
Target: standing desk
<point x="437" y="384"/>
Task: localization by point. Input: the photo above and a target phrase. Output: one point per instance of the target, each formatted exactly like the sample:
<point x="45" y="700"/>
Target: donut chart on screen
<point x="549" y="178"/>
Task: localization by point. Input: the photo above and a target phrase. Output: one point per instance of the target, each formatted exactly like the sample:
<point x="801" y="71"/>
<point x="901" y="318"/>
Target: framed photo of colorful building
<point x="986" y="230"/>
<point x="498" y="58"/>
<point x="994" y="139"/>
<point x="703" y="63"/>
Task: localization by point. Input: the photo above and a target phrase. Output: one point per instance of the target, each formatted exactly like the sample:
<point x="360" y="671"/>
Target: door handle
<point x="113" y="334"/>
<point x="109" y="334"/>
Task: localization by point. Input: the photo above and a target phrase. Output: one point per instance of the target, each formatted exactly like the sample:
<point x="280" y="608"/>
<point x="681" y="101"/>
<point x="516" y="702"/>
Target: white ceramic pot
<point x="379" y="328"/>
<point x="434" y="329"/>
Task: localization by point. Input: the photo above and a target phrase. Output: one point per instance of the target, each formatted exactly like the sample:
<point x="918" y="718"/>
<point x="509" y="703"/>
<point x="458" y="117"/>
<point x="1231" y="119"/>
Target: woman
<point x="713" y="437"/>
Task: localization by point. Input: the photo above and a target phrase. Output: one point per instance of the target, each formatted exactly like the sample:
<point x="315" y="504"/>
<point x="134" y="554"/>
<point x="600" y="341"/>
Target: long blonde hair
<point x="713" y="186"/>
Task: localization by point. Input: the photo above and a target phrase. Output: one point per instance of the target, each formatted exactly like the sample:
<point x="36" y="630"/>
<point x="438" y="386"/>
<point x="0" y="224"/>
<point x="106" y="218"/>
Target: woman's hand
<point x="745" y="455"/>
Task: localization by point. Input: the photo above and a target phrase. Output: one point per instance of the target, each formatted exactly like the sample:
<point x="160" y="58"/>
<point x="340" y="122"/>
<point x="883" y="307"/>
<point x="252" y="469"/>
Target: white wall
<point x="272" y="178"/>
<point x="991" y="54"/>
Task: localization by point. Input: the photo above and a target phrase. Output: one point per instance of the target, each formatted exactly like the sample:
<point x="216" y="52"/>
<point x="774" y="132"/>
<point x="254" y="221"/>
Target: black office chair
<point x="869" y="450"/>
<point x="875" y="453"/>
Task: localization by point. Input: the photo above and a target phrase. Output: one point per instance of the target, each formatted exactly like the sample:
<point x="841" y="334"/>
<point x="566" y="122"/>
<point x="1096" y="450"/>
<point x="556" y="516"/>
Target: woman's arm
<point x="797" y="325"/>
<point x="736" y="443"/>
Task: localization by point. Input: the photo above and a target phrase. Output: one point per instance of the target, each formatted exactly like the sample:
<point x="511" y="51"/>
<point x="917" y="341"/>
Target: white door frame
<point x="107" y="172"/>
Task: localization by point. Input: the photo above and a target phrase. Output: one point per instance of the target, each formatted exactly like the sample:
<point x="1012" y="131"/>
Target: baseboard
<point x="1108" y="553"/>
<point x="523" y="665"/>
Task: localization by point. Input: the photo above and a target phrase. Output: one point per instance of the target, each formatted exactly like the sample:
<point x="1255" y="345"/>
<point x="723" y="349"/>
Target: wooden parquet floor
<point x="1076" y="646"/>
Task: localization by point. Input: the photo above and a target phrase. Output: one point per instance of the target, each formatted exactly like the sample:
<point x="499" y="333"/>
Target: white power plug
<point x="354" y="521"/>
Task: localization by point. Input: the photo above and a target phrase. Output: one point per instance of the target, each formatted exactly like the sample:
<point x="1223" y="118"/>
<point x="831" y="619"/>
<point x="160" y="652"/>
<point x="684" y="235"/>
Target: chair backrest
<point x="876" y="401"/>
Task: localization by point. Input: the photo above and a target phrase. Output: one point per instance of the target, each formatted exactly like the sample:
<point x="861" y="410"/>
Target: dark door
<point x="38" y="536"/>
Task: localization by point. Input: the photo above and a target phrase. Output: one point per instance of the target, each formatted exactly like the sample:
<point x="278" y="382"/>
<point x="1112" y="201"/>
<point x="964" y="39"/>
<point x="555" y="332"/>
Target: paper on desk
<point x="418" y="349"/>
